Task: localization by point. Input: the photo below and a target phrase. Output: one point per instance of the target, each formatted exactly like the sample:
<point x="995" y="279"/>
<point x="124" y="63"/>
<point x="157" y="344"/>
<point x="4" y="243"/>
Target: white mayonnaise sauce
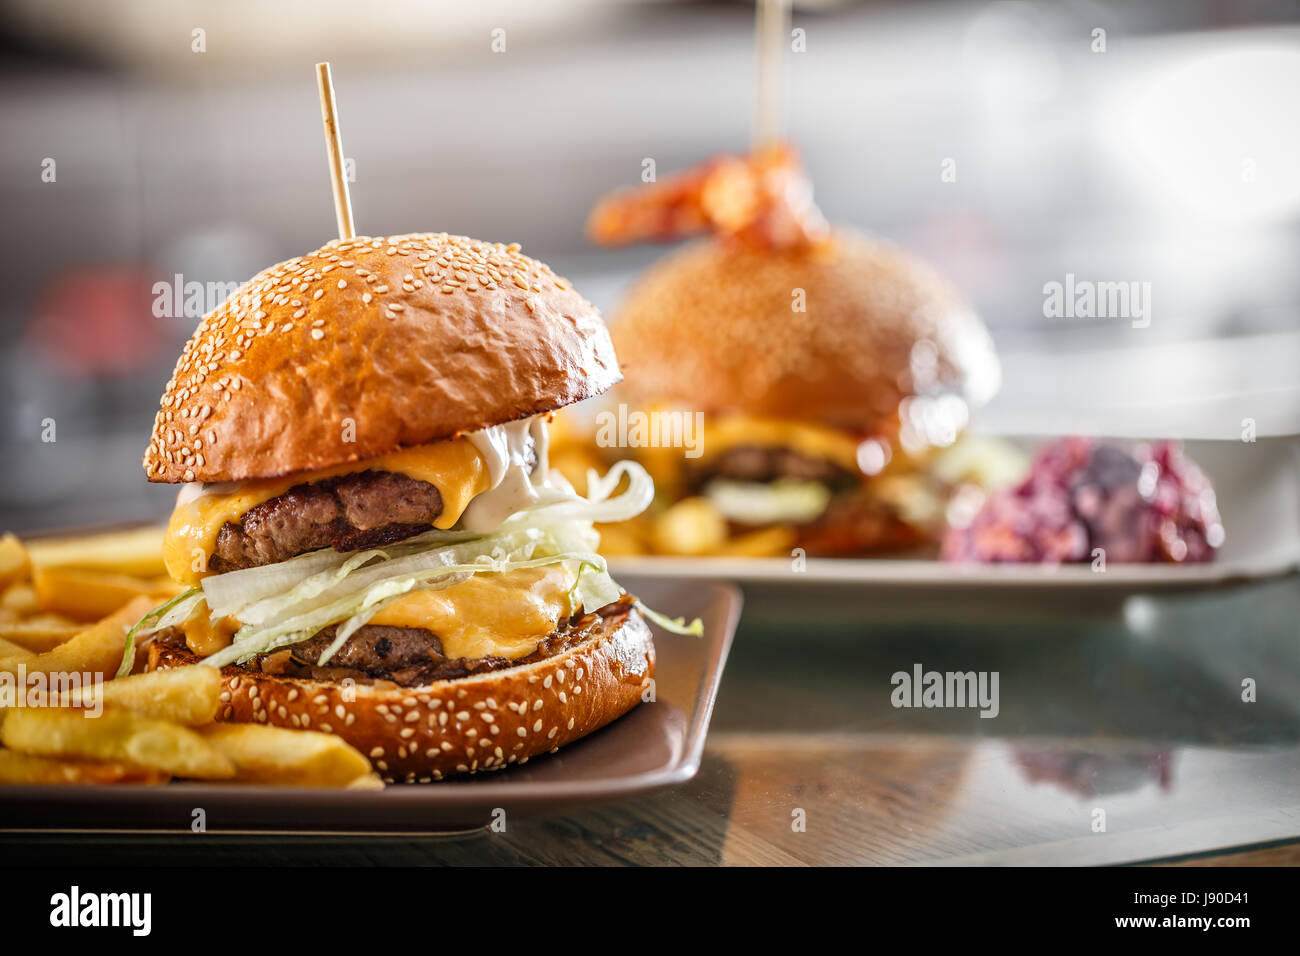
<point x="510" y="484"/>
<point x="505" y="450"/>
<point x="197" y="489"/>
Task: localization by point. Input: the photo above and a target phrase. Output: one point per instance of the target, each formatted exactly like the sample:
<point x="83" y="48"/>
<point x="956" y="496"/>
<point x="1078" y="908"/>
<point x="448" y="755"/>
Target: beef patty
<point x="360" y="510"/>
<point x="373" y="649"/>
<point x="759" y="463"/>
<point x="406" y="656"/>
<point x="855" y="521"/>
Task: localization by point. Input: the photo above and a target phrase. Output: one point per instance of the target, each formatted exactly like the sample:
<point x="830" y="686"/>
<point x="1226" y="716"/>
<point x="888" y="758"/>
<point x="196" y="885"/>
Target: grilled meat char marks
<point x="361" y="510"/>
<point x="373" y="649"/>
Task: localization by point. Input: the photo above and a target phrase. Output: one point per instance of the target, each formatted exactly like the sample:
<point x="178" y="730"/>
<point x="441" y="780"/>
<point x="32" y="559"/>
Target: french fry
<point x="39" y="634"/>
<point x="15" y="651"/>
<point x="20" y="769"/>
<point x="115" y="736"/>
<point x="164" y="587"/>
<point x="137" y="552"/>
<point x="763" y="543"/>
<point x="15" y="565"/>
<point x="20" y="599"/>
<point x="96" y="650"/>
<point x="183" y="695"/>
<point x="305" y="758"/>
<point x="87" y="595"/>
<point x="692" y="526"/>
<point x="618" y="540"/>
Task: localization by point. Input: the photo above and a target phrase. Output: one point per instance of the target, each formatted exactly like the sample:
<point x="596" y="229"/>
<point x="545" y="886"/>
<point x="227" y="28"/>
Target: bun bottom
<point x="486" y="721"/>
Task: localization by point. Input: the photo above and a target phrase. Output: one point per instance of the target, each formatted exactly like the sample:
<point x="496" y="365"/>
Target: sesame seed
<point x="317" y="334"/>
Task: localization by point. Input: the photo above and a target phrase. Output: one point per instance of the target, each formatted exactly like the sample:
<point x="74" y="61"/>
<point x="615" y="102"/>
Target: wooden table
<point x="1134" y="712"/>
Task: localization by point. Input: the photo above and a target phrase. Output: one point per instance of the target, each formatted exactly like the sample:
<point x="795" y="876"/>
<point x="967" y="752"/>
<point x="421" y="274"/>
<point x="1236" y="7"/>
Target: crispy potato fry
<point x="164" y="587"/>
<point x="777" y="540"/>
<point x="87" y="595"/>
<point x="15" y="651"/>
<point x="305" y="758"/>
<point x="39" y="634"/>
<point x="115" y="736"/>
<point x="137" y="551"/>
<point x="183" y="695"/>
<point x="20" y="599"/>
<point x="15" y="565"/>
<point x="16" y="768"/>
<point x="692" y="526"/>
<point x="625" y="538"/>
<point x="96" y="650"/>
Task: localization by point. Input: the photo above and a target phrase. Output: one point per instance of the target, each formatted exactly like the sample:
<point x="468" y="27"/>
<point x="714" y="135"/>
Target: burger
<point x="372" y="542"/>
<point x="832" y="372"/>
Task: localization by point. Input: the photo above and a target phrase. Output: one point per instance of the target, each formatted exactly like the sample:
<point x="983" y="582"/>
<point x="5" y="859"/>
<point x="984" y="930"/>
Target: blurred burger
<point x="373" y="541"/>
<point x="834" y="372"/>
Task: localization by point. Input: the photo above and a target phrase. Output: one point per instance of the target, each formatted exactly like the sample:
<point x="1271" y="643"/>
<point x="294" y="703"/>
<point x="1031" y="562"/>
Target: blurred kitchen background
<point x="1155" y="142"/>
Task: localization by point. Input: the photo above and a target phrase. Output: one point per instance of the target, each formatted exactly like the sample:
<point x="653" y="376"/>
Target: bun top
<point x="838" y="333"/>
<point x="368" y="345"/>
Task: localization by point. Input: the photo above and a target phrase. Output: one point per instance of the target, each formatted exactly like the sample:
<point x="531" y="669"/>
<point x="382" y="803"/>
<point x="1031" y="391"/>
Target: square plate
<point x="657" y="745"/>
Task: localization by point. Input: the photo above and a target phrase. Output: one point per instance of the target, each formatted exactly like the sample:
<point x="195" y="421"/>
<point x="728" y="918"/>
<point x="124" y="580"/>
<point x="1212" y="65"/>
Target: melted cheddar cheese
<point x="204" y="636"/>
<point x="497" y="614"/>
<point x="814" y="441"/>
<point x="454" y="467"/>
<point x="501" y="614"/>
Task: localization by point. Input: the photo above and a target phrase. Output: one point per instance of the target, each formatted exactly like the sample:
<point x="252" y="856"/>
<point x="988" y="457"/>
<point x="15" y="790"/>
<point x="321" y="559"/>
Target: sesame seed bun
<point x="715" y="327"/>
<point x="368" y="345"/>
<point x="486" y="721"/>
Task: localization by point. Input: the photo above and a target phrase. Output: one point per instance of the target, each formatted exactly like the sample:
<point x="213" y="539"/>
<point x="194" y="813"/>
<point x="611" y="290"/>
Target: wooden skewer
<point x="334" y="149"/>
<point x="771" y="32"/>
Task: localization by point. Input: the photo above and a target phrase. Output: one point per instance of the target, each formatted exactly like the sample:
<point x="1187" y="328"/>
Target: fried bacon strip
<point x="761" y="200"/>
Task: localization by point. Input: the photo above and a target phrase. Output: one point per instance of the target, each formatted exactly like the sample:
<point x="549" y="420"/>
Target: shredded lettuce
<point x="176" y="611"/>
<point x="675" y="625"/>
<point x="282" y="604"/>
<point x="751" y="502"/>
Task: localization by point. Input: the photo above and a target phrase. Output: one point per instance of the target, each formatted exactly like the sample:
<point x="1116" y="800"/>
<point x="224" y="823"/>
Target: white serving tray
<point x="1258" y="486"/>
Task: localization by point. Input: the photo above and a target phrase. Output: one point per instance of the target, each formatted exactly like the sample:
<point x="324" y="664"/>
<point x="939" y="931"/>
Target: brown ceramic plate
<point x="657" y="745"/>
